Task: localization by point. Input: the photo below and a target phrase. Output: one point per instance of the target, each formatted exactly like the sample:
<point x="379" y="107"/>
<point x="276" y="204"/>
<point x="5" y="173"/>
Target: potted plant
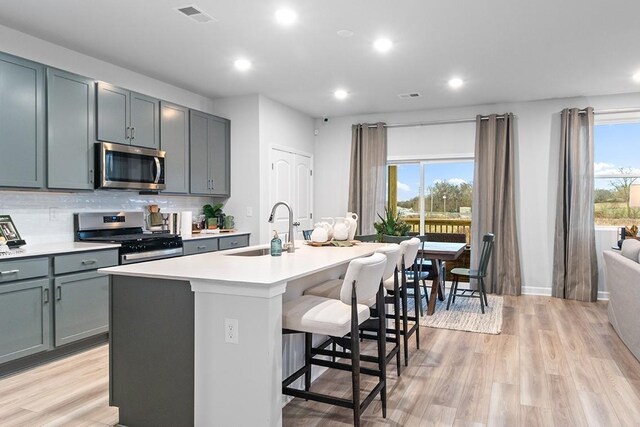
<point x="390" y="225"/>
<point x="213" y="215"/>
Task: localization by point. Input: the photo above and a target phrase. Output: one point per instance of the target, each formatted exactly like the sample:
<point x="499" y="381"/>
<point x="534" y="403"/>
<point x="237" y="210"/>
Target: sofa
<point x="622" y="276"/>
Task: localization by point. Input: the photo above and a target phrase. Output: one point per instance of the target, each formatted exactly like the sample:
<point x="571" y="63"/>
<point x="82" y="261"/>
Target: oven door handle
<point x="158" y="170"/>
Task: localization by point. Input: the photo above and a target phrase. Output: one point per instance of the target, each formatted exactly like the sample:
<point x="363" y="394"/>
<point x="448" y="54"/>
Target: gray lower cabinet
<point x="70" y="130"/>
<point x="24" y="318"/>
<point x="174" y="140"/>
<point x="126" y="117"/>
<point x="210" y="139"/>
<point x="200" y="246"/>
<point x="21" y="122"/>
<point x="81" y="306"/>
<point x="232" y="242"/>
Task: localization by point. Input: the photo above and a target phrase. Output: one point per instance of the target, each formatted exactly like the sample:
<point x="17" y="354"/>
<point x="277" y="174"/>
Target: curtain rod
<point x="435" y="122"/>
<point x="612" y="111"/>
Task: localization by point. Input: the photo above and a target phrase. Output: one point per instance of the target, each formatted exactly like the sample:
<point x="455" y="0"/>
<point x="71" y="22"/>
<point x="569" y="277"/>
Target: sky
<point x="616" y="146"/>
<point x="409" y="176"/>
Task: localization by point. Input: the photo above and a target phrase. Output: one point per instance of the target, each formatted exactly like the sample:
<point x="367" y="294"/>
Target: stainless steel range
<point x="127" y="229"/>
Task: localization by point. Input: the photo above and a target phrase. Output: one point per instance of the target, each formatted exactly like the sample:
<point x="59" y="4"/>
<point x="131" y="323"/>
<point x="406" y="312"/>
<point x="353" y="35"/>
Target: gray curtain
<point x="575" y="272"/>
<point x="494" y="208"/>
<point x="367" y="178"/>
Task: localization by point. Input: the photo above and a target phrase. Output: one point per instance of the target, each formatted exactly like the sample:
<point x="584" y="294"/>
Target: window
<point x="433" y="196"/>
<point x="616" y="167"/>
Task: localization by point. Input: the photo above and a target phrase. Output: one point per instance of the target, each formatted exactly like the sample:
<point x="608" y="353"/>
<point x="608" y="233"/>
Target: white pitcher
<point x="352" y="219"/>
<point x="328" y="222"/>
<point x="320" y="233"/>
<point x="341" y="229"/>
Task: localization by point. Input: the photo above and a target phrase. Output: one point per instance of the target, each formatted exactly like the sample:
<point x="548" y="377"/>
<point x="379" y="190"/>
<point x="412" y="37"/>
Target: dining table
<point x="438" y="252"/>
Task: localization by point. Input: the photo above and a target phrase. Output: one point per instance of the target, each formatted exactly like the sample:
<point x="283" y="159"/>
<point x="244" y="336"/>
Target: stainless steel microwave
<point x="129" y="167"/>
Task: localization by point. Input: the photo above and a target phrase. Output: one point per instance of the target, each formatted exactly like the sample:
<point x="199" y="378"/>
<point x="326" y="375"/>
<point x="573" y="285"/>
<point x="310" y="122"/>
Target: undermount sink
<point x="252" y="252"/>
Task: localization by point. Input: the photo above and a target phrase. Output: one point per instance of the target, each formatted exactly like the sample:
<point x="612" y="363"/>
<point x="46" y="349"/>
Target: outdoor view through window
<point x="439" y="192"/>
<point x="617" y="168"/>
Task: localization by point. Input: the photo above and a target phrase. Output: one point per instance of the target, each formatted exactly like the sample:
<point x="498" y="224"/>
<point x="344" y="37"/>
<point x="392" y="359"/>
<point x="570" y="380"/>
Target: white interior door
<point x="291" y="182"/>
<point x="303" y="184"/>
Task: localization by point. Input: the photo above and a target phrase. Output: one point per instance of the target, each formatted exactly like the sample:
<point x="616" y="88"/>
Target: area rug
<point x="465" y="315"/>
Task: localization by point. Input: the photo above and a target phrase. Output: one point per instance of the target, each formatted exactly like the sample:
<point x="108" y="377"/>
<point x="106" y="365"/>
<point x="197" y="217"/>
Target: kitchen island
<point x="198" y="340"/>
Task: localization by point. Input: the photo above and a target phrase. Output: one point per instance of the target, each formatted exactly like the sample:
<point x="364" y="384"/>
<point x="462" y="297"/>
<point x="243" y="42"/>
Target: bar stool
<point x="331" y="289"/>
<point x="339" y="319"/>
<point x="409" y="252"/>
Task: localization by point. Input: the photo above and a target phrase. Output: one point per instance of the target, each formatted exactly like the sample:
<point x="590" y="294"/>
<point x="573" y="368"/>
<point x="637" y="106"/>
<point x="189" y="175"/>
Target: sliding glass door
<point x="433" y="195"/>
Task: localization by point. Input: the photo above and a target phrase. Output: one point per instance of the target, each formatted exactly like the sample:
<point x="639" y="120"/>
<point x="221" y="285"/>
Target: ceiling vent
<point x="194" y="13"/>
<point x="409" y="95"/>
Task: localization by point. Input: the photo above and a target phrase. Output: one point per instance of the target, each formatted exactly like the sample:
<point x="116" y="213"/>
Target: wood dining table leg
<point x="435" y="289"/>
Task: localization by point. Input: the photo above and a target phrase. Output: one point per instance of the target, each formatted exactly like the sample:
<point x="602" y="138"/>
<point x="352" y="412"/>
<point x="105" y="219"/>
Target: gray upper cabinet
<point x="126" y="117"/>
<point x="210" y="150"/>
<point x="174" y="139"/>
<point x="70" y="130"/>
<point x="145" y="121"/>
<point x="113" y="114"/>
<point x="24" y="318"/>
<point x="21" y="122"/>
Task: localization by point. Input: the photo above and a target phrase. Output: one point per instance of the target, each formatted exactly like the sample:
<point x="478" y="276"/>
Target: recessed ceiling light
<point x="345" y="33"/>
<point x="383" y="45"/>
<point x="340" y="94"/>
<point x="636" y="77"/>
<point x="455" y="83"/>
<point x="242" y="64"/>
<point x="286" y="16"/>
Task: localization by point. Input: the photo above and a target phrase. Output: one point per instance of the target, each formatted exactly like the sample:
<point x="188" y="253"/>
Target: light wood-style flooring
<point x="556" y="363"/>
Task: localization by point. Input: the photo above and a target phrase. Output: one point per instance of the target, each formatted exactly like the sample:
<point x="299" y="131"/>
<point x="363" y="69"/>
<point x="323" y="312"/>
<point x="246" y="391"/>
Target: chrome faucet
<point x="290" y="245"/>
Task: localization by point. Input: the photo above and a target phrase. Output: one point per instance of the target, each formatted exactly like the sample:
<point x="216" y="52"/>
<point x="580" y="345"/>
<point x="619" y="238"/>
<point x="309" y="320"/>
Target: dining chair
<point x="479" y="274"/>
<point x="366" y="237"/>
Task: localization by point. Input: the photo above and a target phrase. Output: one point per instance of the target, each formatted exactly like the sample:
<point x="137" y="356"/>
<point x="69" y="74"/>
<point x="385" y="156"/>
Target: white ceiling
<point x="505" y="50"/>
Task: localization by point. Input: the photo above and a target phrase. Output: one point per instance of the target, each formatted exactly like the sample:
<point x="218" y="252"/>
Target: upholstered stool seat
<point x="319" y="315"/>
<point x="331" y="289"/>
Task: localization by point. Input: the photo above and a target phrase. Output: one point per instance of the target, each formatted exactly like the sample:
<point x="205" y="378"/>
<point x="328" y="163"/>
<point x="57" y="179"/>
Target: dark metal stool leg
<point x="308" y="339"/>
<point x="451" y="291"/>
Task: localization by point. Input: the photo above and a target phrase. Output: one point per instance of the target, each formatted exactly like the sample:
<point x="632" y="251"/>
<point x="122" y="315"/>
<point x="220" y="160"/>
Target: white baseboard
<point x="536" y="290"/>
<point x="603" y="295"/>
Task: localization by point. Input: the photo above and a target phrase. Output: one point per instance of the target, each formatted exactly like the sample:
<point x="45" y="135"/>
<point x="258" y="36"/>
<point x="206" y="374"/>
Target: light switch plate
<point x="249" y="211"/>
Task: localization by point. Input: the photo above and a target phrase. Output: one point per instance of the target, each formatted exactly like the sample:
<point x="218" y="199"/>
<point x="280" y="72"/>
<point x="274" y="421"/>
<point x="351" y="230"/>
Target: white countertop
<point x="213" y="235"/>
<point x="30" y="250"/>
<point x="223" y="266"/>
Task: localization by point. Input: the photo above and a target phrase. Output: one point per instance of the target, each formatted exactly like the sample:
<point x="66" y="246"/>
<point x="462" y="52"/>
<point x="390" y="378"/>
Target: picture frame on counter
<point x="10" y="233"/>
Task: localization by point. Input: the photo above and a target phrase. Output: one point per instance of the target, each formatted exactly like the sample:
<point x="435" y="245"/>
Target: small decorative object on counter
<point x="341" y="229"/>
<point x="276" y="244"/>
<point x="214" y="215"/>
<point x="229" y="223"/>
<point x="320" y="233"/>
<point x="328" y="222"/>
<point x="352" y="219"/>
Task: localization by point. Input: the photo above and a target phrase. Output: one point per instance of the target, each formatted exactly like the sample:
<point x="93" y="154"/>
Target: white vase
<point x="328" y="222"/>
<point x="352" y="219"/>
<point x="319" y="234"/>
<point x="341" y="229"/>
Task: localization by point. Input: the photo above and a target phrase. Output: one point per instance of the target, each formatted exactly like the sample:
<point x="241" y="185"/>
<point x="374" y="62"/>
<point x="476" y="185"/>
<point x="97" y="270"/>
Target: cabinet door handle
<point x="89" y="261"/>
<point x="46" y="295"/>
<point x="8" y="272"/>
<point x="127" y="133"/>
<point x="201" y="247"/>
<point x="234" y="243"/>
<point x="213" y="184"/>
<point x="133" y="132"/>
<point x="59" y="292"/>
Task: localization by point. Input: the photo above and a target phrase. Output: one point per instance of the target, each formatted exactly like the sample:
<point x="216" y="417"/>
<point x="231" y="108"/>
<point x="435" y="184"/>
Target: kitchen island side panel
<point x="151" y="353"/>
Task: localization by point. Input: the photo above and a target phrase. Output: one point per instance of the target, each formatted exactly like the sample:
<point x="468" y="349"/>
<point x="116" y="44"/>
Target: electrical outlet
<point x="231" y="331"/>
<point x="249" y="211"/>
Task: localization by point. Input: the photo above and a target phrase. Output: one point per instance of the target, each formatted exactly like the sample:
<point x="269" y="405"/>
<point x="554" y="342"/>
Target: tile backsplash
<point x="47" y="217"/>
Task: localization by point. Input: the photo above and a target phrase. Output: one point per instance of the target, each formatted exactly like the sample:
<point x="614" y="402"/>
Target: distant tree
<point x="602" y="195"/>
<point x="623" y="187"/>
